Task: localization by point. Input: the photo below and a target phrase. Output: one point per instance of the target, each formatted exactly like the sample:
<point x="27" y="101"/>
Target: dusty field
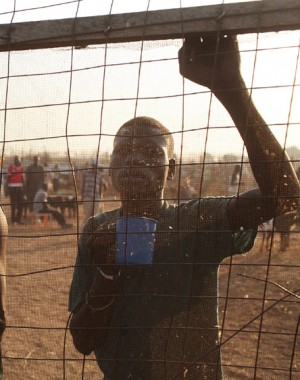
<point x="39" y="268"/>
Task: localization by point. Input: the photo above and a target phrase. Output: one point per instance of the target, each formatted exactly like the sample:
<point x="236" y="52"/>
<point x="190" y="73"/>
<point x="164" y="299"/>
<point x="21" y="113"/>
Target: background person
<point x="153" y="322"/>
<point x="34" y="181"/>
<point x="55" y="178"/>
<point x="40" y="206"/>
<point x="48" y="176"/>
<point x="187" y="190"/>
<point x="16" y="190"/>
<point x="93" y="187"/>
<point x="283" y="225"/>
<point x="235" y="180"/>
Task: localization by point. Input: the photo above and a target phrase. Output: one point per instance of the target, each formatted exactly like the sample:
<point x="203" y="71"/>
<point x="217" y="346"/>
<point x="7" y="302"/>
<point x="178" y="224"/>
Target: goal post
<point x="237" y="18"/>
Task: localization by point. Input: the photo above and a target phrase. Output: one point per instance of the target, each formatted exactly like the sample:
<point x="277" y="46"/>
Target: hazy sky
<point x="37" y="105"/>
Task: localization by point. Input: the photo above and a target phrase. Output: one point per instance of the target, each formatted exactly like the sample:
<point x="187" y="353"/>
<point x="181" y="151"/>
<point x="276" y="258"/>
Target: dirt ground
<point x="260" y="327"/>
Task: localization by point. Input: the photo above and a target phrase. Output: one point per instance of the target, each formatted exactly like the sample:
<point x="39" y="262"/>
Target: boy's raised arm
<point x="214" y="62"/>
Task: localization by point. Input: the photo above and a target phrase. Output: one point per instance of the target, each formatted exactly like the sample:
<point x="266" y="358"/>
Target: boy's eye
<point x="152" y="150"/>
<point x="145" y="149"/>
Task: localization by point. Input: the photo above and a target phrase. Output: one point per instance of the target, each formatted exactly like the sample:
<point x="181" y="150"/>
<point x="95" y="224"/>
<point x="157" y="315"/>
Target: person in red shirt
<point x="16" y="190"/>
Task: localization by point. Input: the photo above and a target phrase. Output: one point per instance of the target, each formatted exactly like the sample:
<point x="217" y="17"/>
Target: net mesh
<point x="65" y="105"/>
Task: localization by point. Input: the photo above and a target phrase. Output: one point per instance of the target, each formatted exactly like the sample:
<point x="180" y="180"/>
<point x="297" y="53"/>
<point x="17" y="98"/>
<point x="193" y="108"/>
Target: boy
<point x="153" y="322"/>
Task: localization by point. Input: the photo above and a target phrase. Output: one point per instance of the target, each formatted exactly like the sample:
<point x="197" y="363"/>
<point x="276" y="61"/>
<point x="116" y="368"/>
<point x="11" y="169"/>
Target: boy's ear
<point x="172" y="169"/>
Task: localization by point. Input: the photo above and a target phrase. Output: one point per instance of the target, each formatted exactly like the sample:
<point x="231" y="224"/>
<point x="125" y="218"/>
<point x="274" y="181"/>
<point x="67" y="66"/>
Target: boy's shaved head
<point x="147" y="126"/>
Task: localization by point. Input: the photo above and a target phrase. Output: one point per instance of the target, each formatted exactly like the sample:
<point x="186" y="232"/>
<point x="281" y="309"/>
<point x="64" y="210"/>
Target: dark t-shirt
<point x="34" y="178"/>
<point x="165" y="319"/>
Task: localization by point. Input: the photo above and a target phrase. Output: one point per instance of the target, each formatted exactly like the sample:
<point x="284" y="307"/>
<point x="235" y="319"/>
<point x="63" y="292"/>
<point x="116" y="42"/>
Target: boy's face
<point x="139" y="163"/>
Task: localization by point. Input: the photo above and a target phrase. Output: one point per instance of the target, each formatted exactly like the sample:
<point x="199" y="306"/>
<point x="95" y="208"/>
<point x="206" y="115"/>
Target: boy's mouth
<point x="132" y="174"/>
